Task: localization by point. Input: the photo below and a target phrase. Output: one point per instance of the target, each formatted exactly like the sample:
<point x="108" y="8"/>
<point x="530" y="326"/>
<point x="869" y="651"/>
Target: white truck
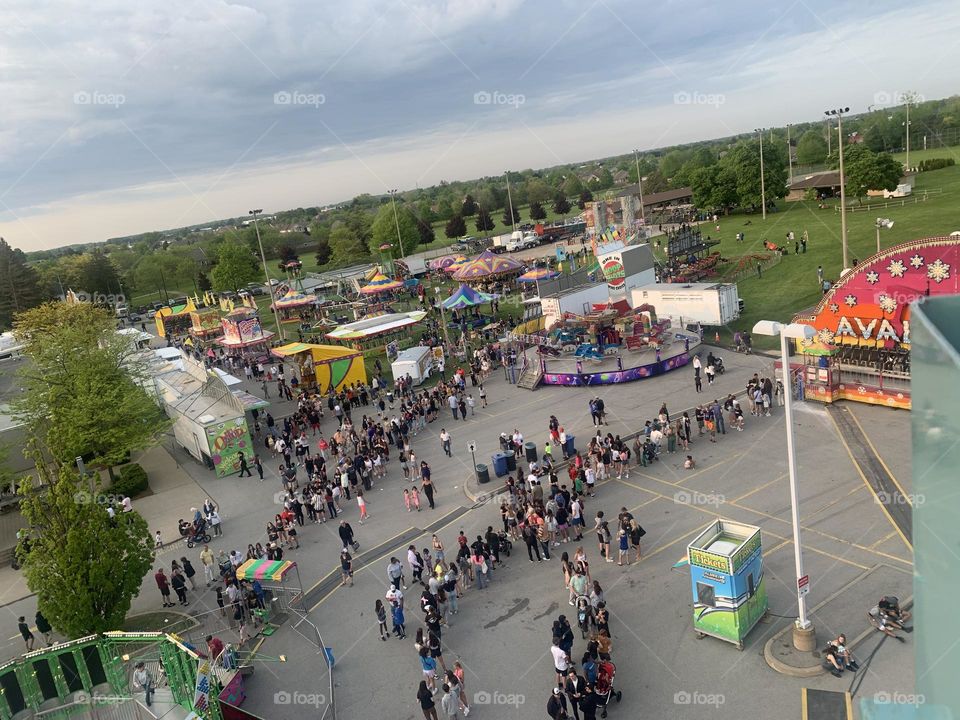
<point x="704" y="303"/>
<point x="501" y="243"/>
<point x="417" y="362"/>
<point x="524" y="241"/>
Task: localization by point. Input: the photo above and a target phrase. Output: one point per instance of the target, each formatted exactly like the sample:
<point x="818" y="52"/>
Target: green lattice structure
<point x="60" y="681"/>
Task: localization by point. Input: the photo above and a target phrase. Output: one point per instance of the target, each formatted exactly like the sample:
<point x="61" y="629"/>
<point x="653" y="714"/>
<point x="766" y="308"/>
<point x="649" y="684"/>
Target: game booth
<point x="321" y="367"/>
<point x="175" y="320"/>
<point x="205" y="327"/>
<point x="861" y="350"/>
<point x="726" y="575"/>
<point x="293" y="306"/>
<point x="243" y="336"/>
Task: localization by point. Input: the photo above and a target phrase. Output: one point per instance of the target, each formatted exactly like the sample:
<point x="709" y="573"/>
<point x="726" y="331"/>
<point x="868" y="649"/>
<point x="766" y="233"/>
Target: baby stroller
<point x="195" y="534"/>
<point x="504" y="542"/>
<point x="606" y="672"/>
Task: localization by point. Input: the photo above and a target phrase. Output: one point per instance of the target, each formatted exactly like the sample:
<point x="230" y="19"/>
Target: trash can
<point x="483" y="474"/>
<point x="530" y="451"/>
<point x="568" y="448"/>
<point x="499" y="461"/>
<point x="511" y="460"/>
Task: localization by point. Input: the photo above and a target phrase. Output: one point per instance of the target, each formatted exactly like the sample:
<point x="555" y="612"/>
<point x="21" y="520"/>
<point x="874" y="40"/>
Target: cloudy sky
<point x="124" y="117"/>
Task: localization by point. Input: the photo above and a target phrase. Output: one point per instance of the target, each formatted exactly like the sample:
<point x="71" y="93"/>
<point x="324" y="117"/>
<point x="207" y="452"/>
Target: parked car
<point x="255" y="289"/>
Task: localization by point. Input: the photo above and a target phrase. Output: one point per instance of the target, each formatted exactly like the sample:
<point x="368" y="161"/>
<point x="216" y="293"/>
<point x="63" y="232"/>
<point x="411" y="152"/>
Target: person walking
<point x="427" y="705"/>
<point x="188" y="572"/>
<point x="259" y="466"/>
<point x="25" y="633"/>
<point x="575" y="686"/>
<point x="43" y="627"/>
<point x="445" y="441"/>
<point x="427" y="484"/>
<point x="143" y="680"/>
<point x="207" y="560"/>
<point x="244" y="467"/>
<point x="381" y="613"/>
<point x="346" y="573"/>
<point x="179" y="586"/>
<point x="450" y="703"/>
<point x="346" y="535"/>
<point x="557" y="705"/>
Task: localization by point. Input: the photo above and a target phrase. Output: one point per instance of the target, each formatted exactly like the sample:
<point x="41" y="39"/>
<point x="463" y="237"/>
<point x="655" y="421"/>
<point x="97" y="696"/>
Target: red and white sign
<point x="803" y="585"/>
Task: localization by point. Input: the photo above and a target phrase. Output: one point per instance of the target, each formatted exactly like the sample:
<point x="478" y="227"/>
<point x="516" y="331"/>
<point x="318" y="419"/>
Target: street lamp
<point x="882" y="223"/>
<point x="636" y="157"/>
<point x="789" y="156"/>
<point x="838" y="113"/>
<point x="396" y="220"/>
<point x="803" y="632"/>
<point x="763" y="188"/>
<point x="266" y="273"/>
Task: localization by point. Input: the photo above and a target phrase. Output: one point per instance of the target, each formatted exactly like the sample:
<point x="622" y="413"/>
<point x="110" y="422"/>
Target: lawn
<point x="791" y="285"/>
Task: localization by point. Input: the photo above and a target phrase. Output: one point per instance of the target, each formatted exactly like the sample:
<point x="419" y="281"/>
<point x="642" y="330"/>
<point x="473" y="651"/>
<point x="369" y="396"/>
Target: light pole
<point x="472" y="447"/>
<point x="266" y="274"/>
<point x="907" y="99"/>
<point x="506" y="174"/>
<point x="838" y="112"/>
<point x="763" y="188"/>
<point x="396" y="220"/>
<point x="443" y="317"/>
<point x="636" y="157"/>
<point x="789" y="157"/>
<point x="803" y="633"/>
<point x="882" y="223"/>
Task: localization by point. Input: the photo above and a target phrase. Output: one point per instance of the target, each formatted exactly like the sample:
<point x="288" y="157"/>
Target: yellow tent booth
<point x="324" y="366"/>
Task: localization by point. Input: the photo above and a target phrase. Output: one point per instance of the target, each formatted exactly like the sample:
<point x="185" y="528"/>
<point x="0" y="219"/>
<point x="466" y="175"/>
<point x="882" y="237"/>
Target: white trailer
<point x="705" y="303"/>
<point x="417" y="362"/>
<point x="576" y="300"/>
<point x="498" y="243"/>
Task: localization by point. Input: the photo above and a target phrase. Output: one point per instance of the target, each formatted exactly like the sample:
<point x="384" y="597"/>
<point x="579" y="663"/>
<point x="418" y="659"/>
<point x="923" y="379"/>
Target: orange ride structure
<point x="861" y="350"/>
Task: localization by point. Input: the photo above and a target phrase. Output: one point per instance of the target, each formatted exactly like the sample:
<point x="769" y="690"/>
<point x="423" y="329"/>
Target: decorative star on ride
<point x="850" y="300"/>
<point x="834" y="307"/>
<point x="873" y="277"/>
<point x="896" y="268"/>
<point x="917" y="261"/>
<point x="826" y="336"/>
<point x="938" y="271"/>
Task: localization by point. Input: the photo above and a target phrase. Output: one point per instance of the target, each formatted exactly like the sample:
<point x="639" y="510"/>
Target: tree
<point x="743" y="163"/>
<point x="572" y="186"/>
<point x="561" y="206"/>
<point x="203" y="282"/>
<point x="235" y="267"/>
<point x="484" y="222"/>
<point x="873" y="138"/>
<point x="287" y="253"/>
<point x="324" y="253"/>
<point x="865" y="170"/>
<point x="537" y="191"/>
<point x="83" y="390"/>
<point x="585" y="197"/>
<point x="811" y="148"/>
<point x="604" y="180"/>
<point x="99" y="275"/>
<point x="655" y="182"/>
<point x="506" y="220"/>
<point x="346" y="246"/>
<point x="19" y="284"/>
<point x="537" y="212"/>
<point x="673" y="161"/>
<point x="469" y="206"/>
<point x="384" y="229"/>
<point x="455" y="228"/>
<point x="84" y="566"/>
<point x="425" y="230"/>
<point x="714" y="187"/>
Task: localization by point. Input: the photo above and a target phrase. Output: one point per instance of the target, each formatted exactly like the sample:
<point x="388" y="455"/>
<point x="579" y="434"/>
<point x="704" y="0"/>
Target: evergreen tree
<point x="456" y="227"/>
<point x="484" y="222"/>
<point x="19" y="285"/>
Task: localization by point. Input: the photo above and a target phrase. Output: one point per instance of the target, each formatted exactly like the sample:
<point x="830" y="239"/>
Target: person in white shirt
<point x="561" y="661"/>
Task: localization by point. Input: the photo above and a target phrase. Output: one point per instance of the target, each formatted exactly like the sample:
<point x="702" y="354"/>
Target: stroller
<point x="194" y="534"/>
<point x="606" y="672"/>
<point x="505" y="546"/>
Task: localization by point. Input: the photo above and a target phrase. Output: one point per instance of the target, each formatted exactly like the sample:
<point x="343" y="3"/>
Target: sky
<point x="120" y="118"/>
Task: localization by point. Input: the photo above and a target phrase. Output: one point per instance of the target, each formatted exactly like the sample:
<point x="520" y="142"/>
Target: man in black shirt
<point x="557" y="706"/>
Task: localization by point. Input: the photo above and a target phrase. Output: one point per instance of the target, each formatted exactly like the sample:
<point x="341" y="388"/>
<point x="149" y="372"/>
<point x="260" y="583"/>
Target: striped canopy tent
<point x="466" y="297"/>
<point x="380" y="283"/>
<point x="293" y="299"/>
<point x="442" y="263"/>
<point x="456" y="265"/>
<point x="538" y="274"/>
<point x="487" y="265"/>
<point x="271" y="570"/>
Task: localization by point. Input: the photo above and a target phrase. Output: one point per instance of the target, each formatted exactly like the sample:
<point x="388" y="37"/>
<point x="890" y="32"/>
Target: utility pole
<point x="266" y="274"/>
<point x="763" y="188"/>
<point x="838" y="112"/>
<point x="510" y="201"/>
<point x="789" y="157"/>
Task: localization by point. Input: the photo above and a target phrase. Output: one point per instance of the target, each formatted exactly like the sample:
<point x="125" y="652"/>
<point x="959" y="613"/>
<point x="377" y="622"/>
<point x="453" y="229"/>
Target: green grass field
<point x="791" y="285"/>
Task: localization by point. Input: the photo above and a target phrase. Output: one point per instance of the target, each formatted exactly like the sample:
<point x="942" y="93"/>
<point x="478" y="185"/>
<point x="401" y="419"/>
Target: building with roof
<point x="622" y="208"/>
<point x="826" y="184"/>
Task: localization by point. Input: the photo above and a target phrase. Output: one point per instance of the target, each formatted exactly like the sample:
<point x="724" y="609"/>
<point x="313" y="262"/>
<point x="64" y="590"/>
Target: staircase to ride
<point x="530" y="376"/>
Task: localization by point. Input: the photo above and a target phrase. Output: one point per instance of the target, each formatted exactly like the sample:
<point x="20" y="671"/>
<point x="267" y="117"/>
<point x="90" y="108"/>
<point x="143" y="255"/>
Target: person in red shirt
<point x="214" y="646"/>
<point x="164" y="586"/>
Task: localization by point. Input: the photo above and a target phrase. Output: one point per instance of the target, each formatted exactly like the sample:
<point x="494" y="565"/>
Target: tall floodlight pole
<point x="396" y="220"/>
<point x="266" y="274"/>
<point x="838" y="112"/>
<point x="907" y="99"/>
<point x="510" y="201"/>
<point x="803" y="634"/>
<point x="763" y="186"/>
<point x="636" y="157"/>
<point x="789" y="157"/>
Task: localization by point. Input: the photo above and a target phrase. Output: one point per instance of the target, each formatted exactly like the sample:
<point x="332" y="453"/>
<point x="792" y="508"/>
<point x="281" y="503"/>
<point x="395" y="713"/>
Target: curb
<point x="818" y="669"/>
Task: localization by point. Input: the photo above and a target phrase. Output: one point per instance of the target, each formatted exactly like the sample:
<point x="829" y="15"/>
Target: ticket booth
<point x="726" y="574"/>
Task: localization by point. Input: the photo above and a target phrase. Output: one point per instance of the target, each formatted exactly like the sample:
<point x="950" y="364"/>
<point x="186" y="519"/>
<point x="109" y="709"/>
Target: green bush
<point x="131" y="482"/>
<point x="935" y="164"/>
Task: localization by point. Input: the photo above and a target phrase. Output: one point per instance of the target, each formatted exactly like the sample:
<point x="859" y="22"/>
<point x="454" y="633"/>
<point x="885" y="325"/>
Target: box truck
<point x="705" y="303"/>
<point x="417" y="362"/>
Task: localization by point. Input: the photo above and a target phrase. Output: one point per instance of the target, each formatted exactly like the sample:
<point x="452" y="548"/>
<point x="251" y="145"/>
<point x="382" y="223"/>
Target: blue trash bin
<point x="511" y="460"/>
<point x="499" y="462"/>
<point x="568" y="446"/>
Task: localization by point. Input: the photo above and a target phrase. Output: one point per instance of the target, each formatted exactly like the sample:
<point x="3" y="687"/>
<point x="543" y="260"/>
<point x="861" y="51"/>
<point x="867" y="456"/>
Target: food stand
<point x="726" y="574"/>
<point x="243" y="335"/>
<point x="321" y="367"/>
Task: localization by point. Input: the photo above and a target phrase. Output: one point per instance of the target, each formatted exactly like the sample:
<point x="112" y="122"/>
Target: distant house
<point x="620" y="177"/>
<point x="827" y="184"/>
<point x="200" y="257"/>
